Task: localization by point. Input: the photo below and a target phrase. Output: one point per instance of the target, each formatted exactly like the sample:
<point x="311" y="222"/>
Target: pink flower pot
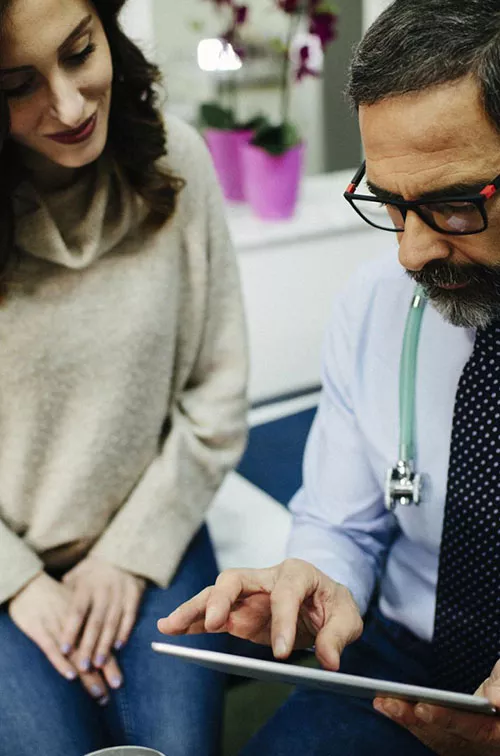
<point x="225" y="148"/>
<point x="272" y="181"/>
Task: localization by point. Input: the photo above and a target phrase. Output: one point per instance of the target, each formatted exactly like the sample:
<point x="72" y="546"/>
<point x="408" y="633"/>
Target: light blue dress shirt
<point x="340" y="523"/>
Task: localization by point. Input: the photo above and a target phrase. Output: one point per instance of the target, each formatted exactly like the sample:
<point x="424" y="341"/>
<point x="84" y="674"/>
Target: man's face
<point x="430" y="141"/>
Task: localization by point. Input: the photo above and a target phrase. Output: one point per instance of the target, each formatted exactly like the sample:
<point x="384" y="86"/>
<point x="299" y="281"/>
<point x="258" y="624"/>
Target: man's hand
<point x="292" y="605"/>
<point x="449" y="732"/>
<point x="104" y="605"/>
<point x="39" y="610"/>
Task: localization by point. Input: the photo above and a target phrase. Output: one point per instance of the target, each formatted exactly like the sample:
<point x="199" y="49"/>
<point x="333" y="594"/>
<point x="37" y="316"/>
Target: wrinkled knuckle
<point x="289" y="565"/>
<point x="228" y="579"/>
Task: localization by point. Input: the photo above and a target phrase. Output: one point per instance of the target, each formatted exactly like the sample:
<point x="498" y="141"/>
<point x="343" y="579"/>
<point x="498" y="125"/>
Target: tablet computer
<point x="333" y="682"/>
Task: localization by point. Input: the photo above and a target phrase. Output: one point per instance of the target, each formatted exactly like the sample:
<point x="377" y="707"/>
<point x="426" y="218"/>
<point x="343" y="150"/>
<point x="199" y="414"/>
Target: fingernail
<point x="97" y="691"/>
<point x="65" y="648"/>
<point x="118" y="645"/>
<point x="103" y="701"/>
<point x="116" y="682"/>
<point x="99" y="660"/>
<point x="423" y="713"/>
<point x="393" y="709"/>
<point x="84" y="665"/>
<point x="70" y="675"/>
<point x="212" y="615"/>
<point x="280" y="647"/>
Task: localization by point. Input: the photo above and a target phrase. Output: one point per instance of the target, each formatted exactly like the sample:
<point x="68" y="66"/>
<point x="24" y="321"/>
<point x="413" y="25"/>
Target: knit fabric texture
<point x="123" y="373"/>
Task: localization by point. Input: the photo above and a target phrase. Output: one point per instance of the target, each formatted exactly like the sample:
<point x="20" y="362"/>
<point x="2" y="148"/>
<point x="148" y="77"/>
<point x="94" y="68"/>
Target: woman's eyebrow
<point x="75" y="34"/>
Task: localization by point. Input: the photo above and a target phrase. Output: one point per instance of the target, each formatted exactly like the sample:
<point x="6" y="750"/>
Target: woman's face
<point x="56" y="71"/>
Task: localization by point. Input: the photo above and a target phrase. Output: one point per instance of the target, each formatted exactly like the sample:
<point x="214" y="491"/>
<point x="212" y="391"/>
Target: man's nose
<point x="420" y="244"/>
<point x="67" y="102"/>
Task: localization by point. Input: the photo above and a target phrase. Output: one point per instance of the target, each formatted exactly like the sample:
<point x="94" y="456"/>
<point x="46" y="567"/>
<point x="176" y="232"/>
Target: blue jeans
<point x="322" y="724"/>
<point x="164" y="704"/>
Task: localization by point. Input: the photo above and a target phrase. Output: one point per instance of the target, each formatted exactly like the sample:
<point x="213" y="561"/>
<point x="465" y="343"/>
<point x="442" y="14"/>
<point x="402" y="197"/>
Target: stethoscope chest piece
<point x="402" y="486"/>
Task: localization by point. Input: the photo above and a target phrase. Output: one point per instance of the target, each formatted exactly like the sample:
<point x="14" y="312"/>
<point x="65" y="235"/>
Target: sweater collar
<point x="75" y="226"/>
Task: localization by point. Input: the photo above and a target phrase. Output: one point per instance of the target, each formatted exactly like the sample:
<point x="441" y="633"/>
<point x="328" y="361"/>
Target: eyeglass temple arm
<point x="357" y="178"/>
<point x="491" y="189"/>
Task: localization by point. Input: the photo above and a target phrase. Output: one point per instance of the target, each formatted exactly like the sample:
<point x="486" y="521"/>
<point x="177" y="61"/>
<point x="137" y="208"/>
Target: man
<point x="426" y="83"/>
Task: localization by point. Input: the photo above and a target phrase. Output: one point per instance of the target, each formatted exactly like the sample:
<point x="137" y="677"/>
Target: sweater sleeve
<point x="207" y="423"/>
<point x="18" y="563"/>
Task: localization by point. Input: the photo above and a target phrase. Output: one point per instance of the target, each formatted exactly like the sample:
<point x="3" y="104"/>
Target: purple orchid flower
<point x="289" y="6"/>
<point x="304" y="69"/>
<point x="324" y="26"/>
<point x="240" y="14"/>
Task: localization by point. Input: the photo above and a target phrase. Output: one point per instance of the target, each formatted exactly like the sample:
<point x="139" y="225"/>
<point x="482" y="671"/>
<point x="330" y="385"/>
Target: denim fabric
<point x="164" y="704"/>
<point x="321" y="724"/>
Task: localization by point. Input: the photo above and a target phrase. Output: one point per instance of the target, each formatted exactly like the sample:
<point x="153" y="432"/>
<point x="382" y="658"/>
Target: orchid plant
<point x="321" y="17"/>
<point x="215" y="114"/>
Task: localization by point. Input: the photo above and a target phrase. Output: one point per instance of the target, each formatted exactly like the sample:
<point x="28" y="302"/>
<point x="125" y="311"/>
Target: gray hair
<point x="418" y="44"/>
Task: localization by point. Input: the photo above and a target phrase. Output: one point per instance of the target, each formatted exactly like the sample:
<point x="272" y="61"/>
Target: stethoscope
<point x="403" y="485"/>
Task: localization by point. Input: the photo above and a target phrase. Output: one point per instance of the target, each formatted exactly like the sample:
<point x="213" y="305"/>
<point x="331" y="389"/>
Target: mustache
<point x="442" y="273"/>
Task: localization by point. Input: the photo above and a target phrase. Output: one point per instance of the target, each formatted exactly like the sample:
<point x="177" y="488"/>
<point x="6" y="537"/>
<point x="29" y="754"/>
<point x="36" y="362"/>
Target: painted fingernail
<point x="280" y="647"/>
<point x="103" y="701"/>
<point x="65" y="648"/>
<point x="70" y="675"/>
<point x="99" y="660"/>
<point x="97" y="691"/>
<point x="118" y="645"/>
<point x="116" y="682"/>
<point x="423" y="713"/>
<point x="84" y="665"/>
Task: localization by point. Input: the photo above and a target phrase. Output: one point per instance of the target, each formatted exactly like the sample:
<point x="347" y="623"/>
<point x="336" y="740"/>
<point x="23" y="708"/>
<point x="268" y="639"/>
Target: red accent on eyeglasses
<point x="350" y="189"/>
<point x="489" y="191"/>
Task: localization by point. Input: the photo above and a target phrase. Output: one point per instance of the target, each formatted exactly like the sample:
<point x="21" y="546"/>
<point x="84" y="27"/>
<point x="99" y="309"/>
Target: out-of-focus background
<point x="290" y="269"/>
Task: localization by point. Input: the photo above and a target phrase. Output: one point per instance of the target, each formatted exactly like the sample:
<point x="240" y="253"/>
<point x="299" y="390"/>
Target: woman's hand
<point x="449" y="732"/>
<point x="103" y="610"/>
<point x="292" y="605"/>
<point x="39" y="610"/>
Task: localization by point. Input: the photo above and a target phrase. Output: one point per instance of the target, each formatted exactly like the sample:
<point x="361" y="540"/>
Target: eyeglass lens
<point x="457" y="217"/>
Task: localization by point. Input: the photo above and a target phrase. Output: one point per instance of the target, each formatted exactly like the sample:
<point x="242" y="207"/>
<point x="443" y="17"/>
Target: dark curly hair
<point x="136" y="138"/>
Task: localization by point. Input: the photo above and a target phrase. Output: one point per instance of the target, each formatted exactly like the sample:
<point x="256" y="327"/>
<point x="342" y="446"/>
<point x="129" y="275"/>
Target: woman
<point x="122" y="389"/>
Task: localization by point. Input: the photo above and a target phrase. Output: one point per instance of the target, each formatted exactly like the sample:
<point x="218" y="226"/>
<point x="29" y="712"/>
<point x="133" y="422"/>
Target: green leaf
<point x="328" y="7"/>
<point x="214" y="116"/>
<point x="254" y="124"/>
<point x="196" y="26"/>
<point x="277" y="46"/>
<point x="276" y="140"/>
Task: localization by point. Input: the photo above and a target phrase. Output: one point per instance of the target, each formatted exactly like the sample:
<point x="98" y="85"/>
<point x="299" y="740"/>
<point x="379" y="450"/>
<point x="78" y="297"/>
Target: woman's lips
<point x="76" y="136"/>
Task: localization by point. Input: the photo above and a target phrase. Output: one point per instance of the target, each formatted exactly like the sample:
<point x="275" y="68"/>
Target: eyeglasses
<point x="456" y="216"/>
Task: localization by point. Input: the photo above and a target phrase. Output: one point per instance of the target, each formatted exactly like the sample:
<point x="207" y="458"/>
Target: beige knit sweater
<point x="122" y="374"/>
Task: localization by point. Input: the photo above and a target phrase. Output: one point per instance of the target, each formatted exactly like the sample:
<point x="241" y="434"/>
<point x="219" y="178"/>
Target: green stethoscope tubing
<point x="408" y="376"/>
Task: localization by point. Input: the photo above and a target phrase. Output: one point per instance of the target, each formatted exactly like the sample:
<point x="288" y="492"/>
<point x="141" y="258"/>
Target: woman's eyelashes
<point x="79" y="58"/>
<point x="30" y="85"/>
<point x="27" y="87"/>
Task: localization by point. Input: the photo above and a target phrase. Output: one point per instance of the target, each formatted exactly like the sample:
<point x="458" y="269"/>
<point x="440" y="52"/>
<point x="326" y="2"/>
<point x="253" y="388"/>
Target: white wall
<point x="373" y="8"/>
<point x="138" y="23"/>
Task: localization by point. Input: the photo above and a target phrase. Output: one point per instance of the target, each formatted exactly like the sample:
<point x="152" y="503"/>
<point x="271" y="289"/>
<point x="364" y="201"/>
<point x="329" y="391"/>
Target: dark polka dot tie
<point x="467" y="621"/>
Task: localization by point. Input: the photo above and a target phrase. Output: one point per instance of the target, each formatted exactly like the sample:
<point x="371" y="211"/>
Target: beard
<point x="476" y="305"/>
